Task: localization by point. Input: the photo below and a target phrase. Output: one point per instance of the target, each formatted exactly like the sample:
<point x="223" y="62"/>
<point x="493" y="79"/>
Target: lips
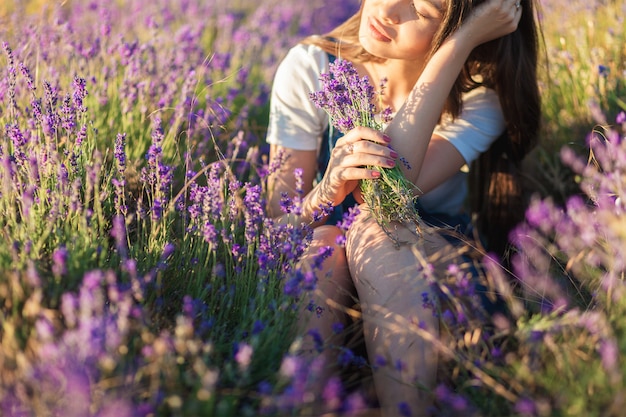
<point x="377" y="31"/>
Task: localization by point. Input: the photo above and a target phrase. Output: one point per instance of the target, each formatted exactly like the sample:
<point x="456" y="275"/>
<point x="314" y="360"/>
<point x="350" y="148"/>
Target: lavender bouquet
<point x="349" y="101"/>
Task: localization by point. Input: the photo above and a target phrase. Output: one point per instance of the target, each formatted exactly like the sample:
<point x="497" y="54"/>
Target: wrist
<point x="465" y="38"/>
<point x="314" y="204"/>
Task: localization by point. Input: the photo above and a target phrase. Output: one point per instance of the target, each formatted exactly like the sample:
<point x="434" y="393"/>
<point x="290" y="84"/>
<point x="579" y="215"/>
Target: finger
<point x="372" y="148"/>
<point x="369" y="160"/>
<point x="358" y="173"/>
<point x="365" y="133"/>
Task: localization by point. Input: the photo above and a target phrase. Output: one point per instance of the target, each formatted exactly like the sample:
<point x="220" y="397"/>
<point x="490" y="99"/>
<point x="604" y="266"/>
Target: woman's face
<point x="399" y="29"/>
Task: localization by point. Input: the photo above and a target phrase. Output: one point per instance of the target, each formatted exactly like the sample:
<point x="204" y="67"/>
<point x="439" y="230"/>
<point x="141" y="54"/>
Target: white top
<point x="296" y="123"/>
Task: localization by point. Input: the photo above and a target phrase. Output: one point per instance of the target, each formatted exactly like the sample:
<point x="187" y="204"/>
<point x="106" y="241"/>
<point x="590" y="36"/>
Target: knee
<point x="325" y="237"/>
<point x="327" y="256"/>
<point x="364" y="233"/>
<point x="327" y="234"/>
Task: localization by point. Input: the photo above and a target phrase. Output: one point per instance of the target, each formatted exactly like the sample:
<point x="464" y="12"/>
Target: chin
<point x="372" y="48"/>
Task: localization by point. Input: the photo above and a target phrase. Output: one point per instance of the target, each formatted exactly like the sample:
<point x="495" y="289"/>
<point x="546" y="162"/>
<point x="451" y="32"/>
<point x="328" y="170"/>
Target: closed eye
<point x="429" y="9"/>
<point x="418" y="14"/>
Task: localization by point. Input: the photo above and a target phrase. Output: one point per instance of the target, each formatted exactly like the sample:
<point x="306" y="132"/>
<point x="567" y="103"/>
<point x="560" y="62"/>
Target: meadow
<point x="140" y="276"/>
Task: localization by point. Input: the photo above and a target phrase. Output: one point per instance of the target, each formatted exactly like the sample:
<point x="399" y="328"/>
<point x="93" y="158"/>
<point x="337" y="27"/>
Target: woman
<point x="461" y="83"/>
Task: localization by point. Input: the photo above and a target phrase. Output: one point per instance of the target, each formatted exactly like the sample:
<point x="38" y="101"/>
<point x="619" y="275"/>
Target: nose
<point x="390" y="11"/>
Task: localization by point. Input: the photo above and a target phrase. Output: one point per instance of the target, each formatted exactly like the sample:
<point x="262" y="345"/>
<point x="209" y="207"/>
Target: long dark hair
<point x="509" y="66"/>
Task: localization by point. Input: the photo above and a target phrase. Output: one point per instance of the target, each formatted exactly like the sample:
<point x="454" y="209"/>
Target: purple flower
<point x="427" y="302"/>
<point x="526" y="407"/>
<point x="253" y="213"/>
<point x="37" y="110"/>
<point x="157" y="209"/>
<point x="345" y="96"/>
<point x="442" y="393"/>
<point x="448" y="317"/>
<point x="209" y="233"/>
<point x="338" y="327"/>
<point x="18" y="140"/>
<point x="51" y="118"/>
<point x="79" y="93"/>
<point x="348" y="218"/>
<point x="380" y="361"/>
<point x="286" y="203"/>
<point x="354" y="404"/>
<point x="459" y="403"/>
<point x="67" y="114"/>
<point x="29" y="78"/>
<point x="81" y="135"/>
<point x="323" y="253"/>
<point x="297" y="199"/>
<point x="332" y="393"/>
<point x="317" y="339"/>
<point x="168" y="249"/>
<point x="258" y="327"/>
<point x="346" y="357"/>
<point x="118" y="232"/>
<point x="119" y="152"/>
<point x="404" y="409"/>
<point x="59" y="261"/>
<point x="609" y="352"/>
<point x="12" y="76"/>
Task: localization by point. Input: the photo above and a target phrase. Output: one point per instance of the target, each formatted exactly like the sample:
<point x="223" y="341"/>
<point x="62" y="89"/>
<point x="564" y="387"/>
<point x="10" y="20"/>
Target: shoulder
<point x="307" y="50"/>
<point x="299" y="74"/>
<point x="482" y="98"/>
<point x="294" y="120"/>
<point x="304" y="57"/>
<point x="480" y="123"/>
<point x="480" y="105"/>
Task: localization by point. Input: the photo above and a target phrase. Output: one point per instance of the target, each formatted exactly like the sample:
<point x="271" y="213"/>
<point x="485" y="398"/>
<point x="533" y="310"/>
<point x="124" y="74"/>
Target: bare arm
<point x="414" y="123"/>
<point x="442" y="161"/>
<point x="284" y="181"/>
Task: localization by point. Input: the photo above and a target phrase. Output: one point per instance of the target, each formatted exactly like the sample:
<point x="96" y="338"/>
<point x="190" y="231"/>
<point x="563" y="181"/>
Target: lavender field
<point x="140" y="275"/>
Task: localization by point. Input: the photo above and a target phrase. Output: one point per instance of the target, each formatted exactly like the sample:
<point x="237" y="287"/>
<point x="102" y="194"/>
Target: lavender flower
<point x="332" y="394"/>
<point x="348" y="100"/>
<point x="118" y="232"/>
<point x="254" y="214"/>
<point x="119" y="183"/>
<point x="59" y="259"/>
<point x="404" y="409"/>
<point x="50" y="118"/>
<point x="12" y="76"/>
<point x="67" y="114"/>
<point x="27" y="75"/>
<point x="526" y="407"/>
<point x="79" y="94"/>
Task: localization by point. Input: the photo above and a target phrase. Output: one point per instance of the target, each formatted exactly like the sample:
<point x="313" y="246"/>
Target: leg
<point x="334" y="292"/>
<point x="390" y="288"/>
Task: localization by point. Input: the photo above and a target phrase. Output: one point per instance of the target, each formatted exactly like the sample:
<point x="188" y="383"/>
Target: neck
<point x="401" y="78"/>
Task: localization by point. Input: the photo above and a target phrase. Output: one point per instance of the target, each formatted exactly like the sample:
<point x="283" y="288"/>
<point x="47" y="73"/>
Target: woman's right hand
<point x="354" y="152"/>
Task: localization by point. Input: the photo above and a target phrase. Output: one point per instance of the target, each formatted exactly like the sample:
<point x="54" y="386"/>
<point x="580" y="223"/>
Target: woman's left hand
<point x="493" y="19"/>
